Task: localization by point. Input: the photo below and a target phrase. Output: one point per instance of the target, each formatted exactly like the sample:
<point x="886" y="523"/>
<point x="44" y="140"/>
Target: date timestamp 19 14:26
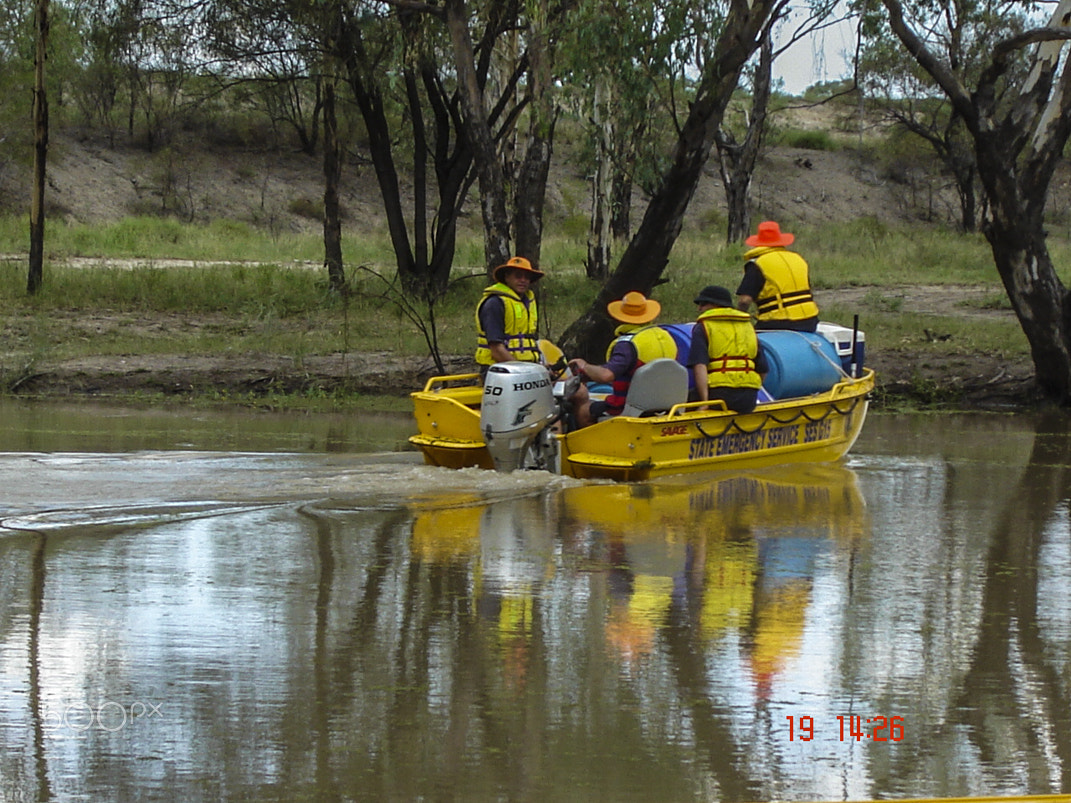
<point x="877" y="729"/>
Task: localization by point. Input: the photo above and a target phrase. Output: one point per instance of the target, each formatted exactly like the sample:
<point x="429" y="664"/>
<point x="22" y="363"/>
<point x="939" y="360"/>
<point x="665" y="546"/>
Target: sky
<point x="823" y="56"/>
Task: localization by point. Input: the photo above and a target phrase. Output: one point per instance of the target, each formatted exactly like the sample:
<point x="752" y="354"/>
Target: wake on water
<point x="50" y="492"/>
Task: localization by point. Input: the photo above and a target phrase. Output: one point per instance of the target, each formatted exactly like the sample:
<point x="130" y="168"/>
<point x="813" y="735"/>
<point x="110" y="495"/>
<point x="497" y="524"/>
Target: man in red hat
<point x="507" y="318"/>
<point x="776" y="281"/>
<point x="638" y="340"/>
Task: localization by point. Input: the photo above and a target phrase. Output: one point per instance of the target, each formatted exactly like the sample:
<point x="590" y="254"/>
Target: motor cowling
<point x="518" y="403"/>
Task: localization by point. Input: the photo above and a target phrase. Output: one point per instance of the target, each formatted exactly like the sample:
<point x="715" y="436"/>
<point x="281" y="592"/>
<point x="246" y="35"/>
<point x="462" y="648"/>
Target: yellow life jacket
<point x="651" y="342"/>
<point x="786" y="295"/>
<point x="732" y="346"/>
<point x="519" y="325"/>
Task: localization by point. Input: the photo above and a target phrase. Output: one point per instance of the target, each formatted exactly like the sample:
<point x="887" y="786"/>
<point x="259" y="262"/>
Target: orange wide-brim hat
<point x="770" y="235"/>
<point x="517" y="263"/>
<point x="634" y="308"/>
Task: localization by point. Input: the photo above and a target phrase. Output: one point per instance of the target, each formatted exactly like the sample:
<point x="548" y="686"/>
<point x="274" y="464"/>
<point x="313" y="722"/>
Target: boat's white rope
<point x="818" y="349"/>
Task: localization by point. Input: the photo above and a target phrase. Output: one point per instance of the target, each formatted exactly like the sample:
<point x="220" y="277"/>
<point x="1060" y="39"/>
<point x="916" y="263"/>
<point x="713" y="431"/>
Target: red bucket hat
<point x="770" y="235"/>
<point x="517" y="263"/>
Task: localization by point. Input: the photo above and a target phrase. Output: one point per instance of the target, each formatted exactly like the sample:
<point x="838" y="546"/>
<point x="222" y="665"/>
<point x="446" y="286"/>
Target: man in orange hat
<point x="507" y="317"/>
<point x="776" y="281"/>
<point x="636" y="341"/>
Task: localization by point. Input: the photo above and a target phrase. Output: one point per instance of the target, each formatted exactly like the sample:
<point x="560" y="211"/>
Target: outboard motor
<point x="518" y="404"/>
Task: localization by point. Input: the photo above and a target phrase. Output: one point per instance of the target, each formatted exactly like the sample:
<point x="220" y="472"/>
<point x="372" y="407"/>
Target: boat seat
<point x="656" y="387"/>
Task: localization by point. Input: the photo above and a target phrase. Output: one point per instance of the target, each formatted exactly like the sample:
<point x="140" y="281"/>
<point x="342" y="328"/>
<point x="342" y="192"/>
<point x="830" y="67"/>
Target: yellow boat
<point x="456" y="428"/>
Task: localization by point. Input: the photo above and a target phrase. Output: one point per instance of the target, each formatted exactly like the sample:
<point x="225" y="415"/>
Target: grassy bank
<point x="242" y="291"/>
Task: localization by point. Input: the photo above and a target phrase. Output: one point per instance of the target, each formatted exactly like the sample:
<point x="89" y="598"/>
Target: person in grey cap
<point x="725" y="356"/>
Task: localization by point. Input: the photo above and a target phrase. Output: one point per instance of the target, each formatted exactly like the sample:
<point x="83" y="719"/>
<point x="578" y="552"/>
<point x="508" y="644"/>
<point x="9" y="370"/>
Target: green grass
<point x="866" y="251"/>
<point x="809" y="139"/>
<point x="250" y="293"/>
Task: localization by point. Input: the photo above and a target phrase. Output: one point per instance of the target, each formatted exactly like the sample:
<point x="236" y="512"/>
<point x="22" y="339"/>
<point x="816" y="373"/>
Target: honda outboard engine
<point x="518" y="404"/>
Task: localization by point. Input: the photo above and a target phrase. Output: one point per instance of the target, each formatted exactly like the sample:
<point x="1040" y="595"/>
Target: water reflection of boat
<point x="734" y="554"/>
<point x="822" y="496"/>
<point x="729" y="559"/>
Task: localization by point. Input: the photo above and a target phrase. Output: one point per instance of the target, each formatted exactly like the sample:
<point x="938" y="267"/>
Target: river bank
<point x="929" y="369"/>
<point x="953" y="381"/>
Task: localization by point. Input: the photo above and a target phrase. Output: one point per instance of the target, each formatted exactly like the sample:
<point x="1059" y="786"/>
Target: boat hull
<point x="821" y="427"/>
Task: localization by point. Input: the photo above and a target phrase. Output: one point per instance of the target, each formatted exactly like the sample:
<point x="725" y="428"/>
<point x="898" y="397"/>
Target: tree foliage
<point x="964" y="34"/>
<point x="735" y="33"/>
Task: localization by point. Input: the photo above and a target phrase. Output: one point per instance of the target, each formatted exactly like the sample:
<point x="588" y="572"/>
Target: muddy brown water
<point x="233" y="606"/>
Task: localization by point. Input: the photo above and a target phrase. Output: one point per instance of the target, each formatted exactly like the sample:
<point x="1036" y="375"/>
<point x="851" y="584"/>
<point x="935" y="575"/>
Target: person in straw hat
<point x="776" y="281"/>
<point x="725" y="356"/>
<point x="507" y="316"/>
<point x="637" y="340"/>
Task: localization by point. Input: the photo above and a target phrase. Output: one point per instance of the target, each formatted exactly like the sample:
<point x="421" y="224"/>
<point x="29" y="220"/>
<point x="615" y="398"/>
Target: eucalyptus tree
<point x="965" y="34"/>
<point x="735" y="33"/>
<point x="737" y="157"/>
<point x="40" y="150"/>
<point x="621" y="65"/>
<point x="501" y="56"/>
<point x="109" y="66"/>
<point x="740" y="140"/>
<point x="390" y="63"/>
<point x="271" y="55"/>
<point x="16" y="78"/>
<point x="434" y="90"/>
<point x="156" y="47"/>
<point x="1019" y="122"/>
<point x="530" y="169"/>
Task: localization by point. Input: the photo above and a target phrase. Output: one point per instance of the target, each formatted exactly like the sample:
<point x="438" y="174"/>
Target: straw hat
<point x="517" y="263"/>
<point x="770" y="235"/>
<point x="634" y="308"/>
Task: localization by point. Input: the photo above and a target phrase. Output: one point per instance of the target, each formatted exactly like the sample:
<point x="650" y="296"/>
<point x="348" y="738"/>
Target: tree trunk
<point x="420" y="171"/>
<point x="738" y="161"/>
<point x="1017" y="154"/>
<point x="597" y="265"/>
<point x="40" y="153"/>
<point x="531" y="195"/>
<point x="968" y="202"/>
<point x="535" y="167"/>
<point x="421" y="269"/>
<point x="645" y="259"/>
<point x="370" y="102"/>
<point x="336" y="274"/>
<point x="1039" y="298"/>
<point x="621" y="204"/>
<point x="474" y="116"/>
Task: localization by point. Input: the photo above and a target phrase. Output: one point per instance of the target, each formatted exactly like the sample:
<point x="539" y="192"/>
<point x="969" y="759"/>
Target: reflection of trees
<point x="22" y="591"/>
<point x="1009" y="681"/>
<point x="474" y="651"/>
<point x="1011" y="702"/>
<point x="321" y="681"/>
<point x="433" y="677"/>
<point x="37" y="604"/>
<point x="713" y="723"/>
